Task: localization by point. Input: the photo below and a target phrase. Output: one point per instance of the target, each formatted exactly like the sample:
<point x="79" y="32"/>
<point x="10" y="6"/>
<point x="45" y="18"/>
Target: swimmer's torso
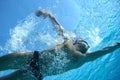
<point x="53" y="62"/>
<point x="58" y="60"/>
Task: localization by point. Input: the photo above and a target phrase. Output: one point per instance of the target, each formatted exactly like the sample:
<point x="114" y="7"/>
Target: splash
<point x="18" y="36"/>
<point x="27" y="36"/>
<point x="55" y="63"/>
<point x="94" y="36"/>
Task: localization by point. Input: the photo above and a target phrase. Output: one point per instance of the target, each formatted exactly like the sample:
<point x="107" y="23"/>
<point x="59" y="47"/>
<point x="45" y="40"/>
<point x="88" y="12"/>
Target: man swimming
<point x="49" y="62"/>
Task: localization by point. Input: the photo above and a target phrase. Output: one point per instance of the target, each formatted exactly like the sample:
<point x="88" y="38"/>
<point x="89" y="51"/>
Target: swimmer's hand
<point x="116" y="45"/>
<point x="43" y="13"/>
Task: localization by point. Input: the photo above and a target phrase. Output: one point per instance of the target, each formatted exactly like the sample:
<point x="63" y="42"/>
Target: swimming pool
<point x="98" y="22"/>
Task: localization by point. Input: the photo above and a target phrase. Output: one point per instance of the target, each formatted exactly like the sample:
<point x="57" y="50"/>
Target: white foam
<point x="25" y="37"/>
<point x="94" y="36"/>
<point x="19" y="34"/>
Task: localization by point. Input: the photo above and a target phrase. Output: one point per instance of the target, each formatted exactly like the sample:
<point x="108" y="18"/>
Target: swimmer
<point x="39" y="62"/>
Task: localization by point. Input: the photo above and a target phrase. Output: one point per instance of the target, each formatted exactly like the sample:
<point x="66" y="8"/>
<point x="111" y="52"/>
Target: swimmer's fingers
<point x="39" y="13"/>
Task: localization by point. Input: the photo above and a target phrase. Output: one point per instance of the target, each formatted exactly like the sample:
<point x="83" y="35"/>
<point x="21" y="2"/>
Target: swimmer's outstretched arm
<point x="14" y="60"/>
<point x="94" y="55"/>
<point x="60" y="30"/>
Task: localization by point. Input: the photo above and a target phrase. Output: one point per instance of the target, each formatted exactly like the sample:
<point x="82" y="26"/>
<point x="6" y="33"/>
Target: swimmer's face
<point x="81" y="45"/>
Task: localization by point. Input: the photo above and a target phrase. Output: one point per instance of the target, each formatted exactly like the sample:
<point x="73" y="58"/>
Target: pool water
<point x="97" y="22"/>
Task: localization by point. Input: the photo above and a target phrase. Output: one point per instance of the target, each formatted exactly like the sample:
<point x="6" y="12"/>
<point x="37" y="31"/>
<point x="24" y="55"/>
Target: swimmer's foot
<point x="34" y="66"/>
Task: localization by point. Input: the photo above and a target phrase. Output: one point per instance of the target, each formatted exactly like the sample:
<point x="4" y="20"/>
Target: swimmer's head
<point x="81" y="45"/>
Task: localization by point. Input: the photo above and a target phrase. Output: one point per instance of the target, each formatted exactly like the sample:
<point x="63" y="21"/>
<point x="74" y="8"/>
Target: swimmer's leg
<point x="14" y="60"/>
<point x="18" y="75"/>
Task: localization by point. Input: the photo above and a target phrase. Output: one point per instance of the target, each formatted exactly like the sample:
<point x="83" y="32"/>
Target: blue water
<point x="96" y="21"/>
